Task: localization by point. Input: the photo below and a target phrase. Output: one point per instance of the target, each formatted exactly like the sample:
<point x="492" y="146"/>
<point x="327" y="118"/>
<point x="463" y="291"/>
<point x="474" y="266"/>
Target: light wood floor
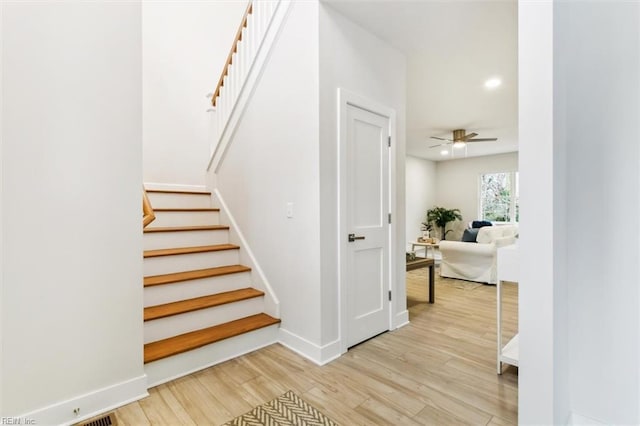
<point x="439" y="370"/>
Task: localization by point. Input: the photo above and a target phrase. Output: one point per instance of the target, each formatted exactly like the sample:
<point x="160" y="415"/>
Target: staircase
<point x="199" y="304"/>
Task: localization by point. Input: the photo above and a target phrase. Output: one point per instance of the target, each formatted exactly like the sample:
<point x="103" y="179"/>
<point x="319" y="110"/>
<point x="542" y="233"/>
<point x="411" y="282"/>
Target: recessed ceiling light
<point x="459" y="145"/>
<point x="492" y="83"/>
<point x="444" y="152"/>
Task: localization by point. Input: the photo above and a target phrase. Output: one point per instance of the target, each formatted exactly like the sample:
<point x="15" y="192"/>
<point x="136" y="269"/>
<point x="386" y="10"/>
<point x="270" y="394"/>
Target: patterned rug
<point x="286" y="410"/>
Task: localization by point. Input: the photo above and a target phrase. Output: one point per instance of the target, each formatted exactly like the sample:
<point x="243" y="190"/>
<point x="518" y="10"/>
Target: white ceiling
<point x="452" y="48"/>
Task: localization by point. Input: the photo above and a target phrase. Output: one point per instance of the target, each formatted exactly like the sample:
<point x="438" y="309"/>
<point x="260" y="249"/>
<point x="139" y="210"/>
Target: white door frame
<point x="346" y="98"/>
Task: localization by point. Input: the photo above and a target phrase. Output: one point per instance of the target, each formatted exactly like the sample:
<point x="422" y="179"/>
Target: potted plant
<point x="426" y="228"/>
<point x="441" y="216"/>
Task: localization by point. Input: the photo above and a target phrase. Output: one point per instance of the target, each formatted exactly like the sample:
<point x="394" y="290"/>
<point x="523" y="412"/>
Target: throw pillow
<point x="480" y="223"/>
<point x="470" y="235"/>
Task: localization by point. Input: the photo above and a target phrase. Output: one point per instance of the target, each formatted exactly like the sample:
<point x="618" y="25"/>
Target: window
<point x="499" y="197"/>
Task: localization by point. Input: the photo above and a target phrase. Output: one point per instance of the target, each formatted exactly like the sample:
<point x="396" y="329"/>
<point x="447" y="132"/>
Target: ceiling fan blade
<point x="440" y="144"/>
<point x="469" y="136"/>
<point x="440" y="139"/>
<point x="483" y="140"/>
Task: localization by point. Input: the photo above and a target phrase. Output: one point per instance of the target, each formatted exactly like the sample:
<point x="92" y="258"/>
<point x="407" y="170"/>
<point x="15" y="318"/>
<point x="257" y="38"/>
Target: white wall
<point x="421" y="193"/>
<point x="1" y="213"/>
<point x="598" y="47"/>
<point x="353" y="59"/>
<point x="457" y="184"/>
<point x="273" y="160"/>
<point x="71" y="176"/>
<point x="184" y="45"/>
<point x="579" y="104"/>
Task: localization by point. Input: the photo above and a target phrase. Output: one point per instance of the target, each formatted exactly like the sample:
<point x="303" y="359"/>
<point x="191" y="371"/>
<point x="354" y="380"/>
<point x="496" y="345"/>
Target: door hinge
<point x="389" y="295"/>
<point x="389" y="217"/>
<point x="389" y="140"/>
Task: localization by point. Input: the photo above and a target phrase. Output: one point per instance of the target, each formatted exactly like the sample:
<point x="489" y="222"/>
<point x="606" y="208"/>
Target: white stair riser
<point x="163" y="240"/>
<point x="164" y="328"/>
<point x="167" y="293"/>
<point x="189" y="262"/>
<point x="176" y="366"/>
<point x="175" y="201"/>
<point x="186" y="218"/>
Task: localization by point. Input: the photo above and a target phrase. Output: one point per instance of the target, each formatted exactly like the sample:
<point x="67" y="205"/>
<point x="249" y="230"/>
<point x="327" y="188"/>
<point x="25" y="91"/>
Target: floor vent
<point x="108" y="420"/>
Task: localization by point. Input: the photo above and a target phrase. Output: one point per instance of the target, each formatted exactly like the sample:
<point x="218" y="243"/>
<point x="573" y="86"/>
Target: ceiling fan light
<point x="492" y="83"/>
<point x="459" y="144"/>
<point x="444" y="152"/>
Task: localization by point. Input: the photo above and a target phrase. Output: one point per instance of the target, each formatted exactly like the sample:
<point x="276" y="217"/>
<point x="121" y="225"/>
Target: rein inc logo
<point x="17" y="421"/>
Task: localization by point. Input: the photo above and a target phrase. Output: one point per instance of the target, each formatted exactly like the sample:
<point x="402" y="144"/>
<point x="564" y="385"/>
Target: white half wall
<point x="273" y="161"/>
<point x="184" y="47"/>
<point x="537" y="305"/>
<point x="421" y="193"/>
<point x="579" y="107"/>
<point x="457" y="184"/>
<point x="353" y="59"/>
<point x="597" y="106"/>
<point x="1" y="212"/>
<point x="71" y="176"/>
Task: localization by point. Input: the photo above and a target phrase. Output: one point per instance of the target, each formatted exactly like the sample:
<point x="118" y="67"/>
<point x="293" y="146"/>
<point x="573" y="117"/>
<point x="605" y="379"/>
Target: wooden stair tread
<point x="187" y="228"/>
<point x="196" y="339"/>
<point x="194" y="275"/>
<point x="195" y="209"/>
<point x="189" y="250"/>
<point x="190" y="305"/>
<point x="175" y="191"/>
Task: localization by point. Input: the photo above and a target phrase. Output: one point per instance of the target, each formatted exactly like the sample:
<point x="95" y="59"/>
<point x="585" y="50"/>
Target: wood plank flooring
<point x="438" y="370"/>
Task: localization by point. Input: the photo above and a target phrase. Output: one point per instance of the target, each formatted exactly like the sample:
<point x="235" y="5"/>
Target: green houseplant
<point x="440" y="216"/>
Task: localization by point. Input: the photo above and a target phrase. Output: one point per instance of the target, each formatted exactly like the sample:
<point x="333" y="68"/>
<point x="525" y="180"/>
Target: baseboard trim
<point x="317" y="354"/>
<point x="90" y="404"/>
<point x="401" y="319"/>
<point x="174" y="187"/>
<point x="330" y="352"/>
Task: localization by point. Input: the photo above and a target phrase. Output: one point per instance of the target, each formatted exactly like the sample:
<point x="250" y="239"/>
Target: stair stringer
<point x="258" y="278"/>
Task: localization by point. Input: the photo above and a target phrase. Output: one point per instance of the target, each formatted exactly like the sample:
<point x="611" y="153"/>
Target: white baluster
<point x="234" y="80"/>
<point x="243" y="55"/>
<point x="251" y="39"/>
<point x="240" y="58"/>
<point x="232" y="92"/>
<point x="224" y="95"/>
<point x="216" y="133"/>
<point x="230" y="88"/>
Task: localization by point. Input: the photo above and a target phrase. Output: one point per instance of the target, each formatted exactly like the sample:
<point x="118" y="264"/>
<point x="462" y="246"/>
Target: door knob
<point x="352" y="237"/>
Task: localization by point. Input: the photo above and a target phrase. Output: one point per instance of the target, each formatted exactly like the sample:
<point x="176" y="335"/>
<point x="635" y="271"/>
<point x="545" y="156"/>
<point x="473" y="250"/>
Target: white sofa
<point x="476" y="261"/>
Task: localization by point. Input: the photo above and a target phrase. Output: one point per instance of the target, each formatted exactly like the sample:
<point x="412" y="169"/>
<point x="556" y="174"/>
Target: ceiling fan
<point x="460" y="139"/>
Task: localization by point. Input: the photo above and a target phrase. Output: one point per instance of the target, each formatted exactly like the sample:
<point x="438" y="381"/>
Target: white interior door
<point x="367" y="224"/>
